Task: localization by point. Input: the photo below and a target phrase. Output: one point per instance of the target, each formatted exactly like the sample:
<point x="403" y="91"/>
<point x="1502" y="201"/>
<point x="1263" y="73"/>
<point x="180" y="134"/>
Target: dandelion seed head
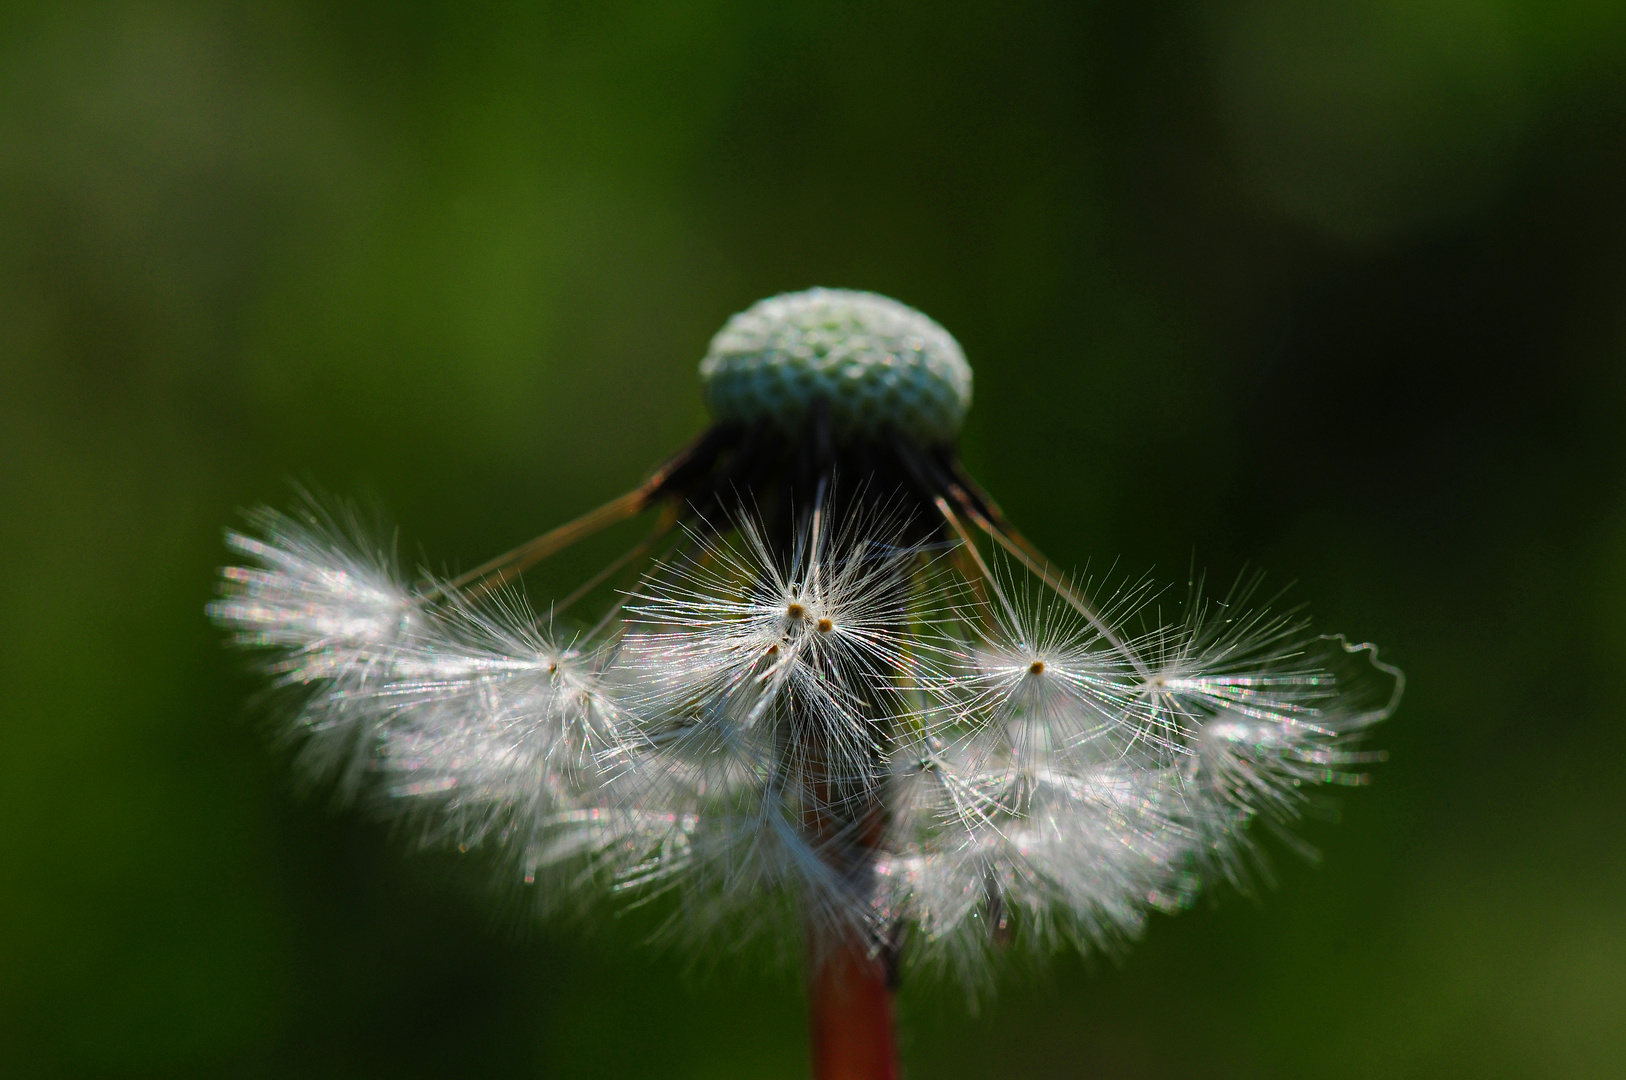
<point x="874" y="362"/>
<point x="815" y="701"/>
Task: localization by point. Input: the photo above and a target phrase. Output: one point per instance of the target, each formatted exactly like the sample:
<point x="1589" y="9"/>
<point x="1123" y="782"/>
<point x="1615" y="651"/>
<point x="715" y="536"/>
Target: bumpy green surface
<point x="872" y="359"/>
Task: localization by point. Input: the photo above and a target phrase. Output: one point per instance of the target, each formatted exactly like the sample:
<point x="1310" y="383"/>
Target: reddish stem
<point x="850" y="1017"/>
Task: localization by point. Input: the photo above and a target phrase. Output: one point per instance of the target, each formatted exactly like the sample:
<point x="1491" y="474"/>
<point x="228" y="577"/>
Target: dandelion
<point x="834" y="695"/>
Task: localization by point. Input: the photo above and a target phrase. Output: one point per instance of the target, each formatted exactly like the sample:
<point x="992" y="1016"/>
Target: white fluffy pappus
<point x="861" y="731"/>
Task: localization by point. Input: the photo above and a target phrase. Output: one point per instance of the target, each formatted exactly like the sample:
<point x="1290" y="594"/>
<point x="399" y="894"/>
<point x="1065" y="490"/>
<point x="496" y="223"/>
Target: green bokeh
<point x="1332" y="289"/>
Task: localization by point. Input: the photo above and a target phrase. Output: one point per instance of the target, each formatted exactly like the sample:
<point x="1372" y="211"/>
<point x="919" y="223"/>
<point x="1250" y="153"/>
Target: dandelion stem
<point x="850" y="1021"/>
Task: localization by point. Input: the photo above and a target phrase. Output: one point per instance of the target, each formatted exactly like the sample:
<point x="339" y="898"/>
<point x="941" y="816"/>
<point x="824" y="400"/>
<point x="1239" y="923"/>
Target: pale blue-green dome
<point x="872" y="359"/>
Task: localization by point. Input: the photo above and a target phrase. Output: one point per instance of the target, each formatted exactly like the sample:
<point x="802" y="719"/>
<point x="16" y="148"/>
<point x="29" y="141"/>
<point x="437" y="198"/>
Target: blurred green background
<point x="1337" y="289"/>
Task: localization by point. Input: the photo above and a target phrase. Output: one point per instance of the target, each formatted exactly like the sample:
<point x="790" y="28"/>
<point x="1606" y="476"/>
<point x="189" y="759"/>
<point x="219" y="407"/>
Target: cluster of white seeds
<point x="1038" y="777"/>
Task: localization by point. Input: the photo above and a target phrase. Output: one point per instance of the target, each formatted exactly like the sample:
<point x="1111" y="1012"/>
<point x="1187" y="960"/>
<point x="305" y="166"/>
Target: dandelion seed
<point x="833" y="685"/>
